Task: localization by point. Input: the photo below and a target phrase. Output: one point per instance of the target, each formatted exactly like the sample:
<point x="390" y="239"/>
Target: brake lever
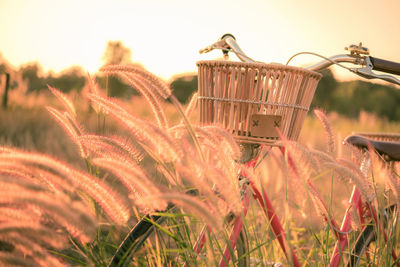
<point x="228" y="43"/>
<point x="366" y="72"/>
<point x="220" y="44"/>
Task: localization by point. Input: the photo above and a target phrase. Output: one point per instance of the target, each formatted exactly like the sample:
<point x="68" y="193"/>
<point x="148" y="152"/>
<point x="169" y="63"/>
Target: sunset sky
<point x="165" y="35"/>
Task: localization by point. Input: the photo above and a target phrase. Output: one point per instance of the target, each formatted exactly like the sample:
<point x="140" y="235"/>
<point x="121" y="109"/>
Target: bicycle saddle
<point x="389" y="149"/>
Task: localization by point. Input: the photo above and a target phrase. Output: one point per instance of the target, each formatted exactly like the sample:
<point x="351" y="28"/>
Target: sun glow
<point x="165" y="36"/>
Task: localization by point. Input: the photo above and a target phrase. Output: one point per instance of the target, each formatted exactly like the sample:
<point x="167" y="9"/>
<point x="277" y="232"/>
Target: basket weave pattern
<point x="230" y="93"/>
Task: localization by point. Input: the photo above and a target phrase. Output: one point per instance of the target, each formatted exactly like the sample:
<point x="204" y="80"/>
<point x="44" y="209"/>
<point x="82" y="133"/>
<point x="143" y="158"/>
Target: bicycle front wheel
<point x="165" y="239"/>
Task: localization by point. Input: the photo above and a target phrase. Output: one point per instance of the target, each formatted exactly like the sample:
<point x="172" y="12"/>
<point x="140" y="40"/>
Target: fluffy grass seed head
<point x="332" y="146"/>
<point x="64" y="100"/>
<point x="102" y="193"/>
<point x="160" y="87"/>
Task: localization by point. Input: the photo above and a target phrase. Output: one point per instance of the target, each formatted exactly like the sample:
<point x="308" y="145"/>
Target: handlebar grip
<point x="385" y="65"/>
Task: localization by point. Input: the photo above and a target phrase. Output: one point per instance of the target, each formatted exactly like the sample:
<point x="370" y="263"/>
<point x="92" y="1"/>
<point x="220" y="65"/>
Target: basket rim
<point x="259" y="65"/>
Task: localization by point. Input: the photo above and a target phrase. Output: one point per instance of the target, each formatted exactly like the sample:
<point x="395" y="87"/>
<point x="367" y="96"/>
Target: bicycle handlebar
<point x="385" y="65"/>
<point x="358" y="56"/>
<point x="334" y="60"/>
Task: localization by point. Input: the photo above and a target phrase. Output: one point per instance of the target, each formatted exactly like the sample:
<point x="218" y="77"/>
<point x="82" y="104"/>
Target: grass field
<point x="80" y="195"/>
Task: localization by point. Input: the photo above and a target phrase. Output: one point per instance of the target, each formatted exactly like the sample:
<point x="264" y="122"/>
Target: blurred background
<point x="58" y="43"/>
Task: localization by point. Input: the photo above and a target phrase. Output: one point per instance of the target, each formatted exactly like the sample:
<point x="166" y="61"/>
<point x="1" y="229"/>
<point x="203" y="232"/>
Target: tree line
<point x="349" y="98"/>
<point x="346" y="98"/>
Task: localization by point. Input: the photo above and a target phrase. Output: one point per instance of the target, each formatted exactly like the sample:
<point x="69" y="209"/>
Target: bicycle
<point x="251" y="99"/>
<point x="387" y="145"/>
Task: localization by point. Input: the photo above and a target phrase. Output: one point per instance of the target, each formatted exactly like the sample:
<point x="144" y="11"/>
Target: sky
<point x="165" y="35"/>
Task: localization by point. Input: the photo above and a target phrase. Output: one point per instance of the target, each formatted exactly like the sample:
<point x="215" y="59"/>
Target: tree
<point x="72" y="78"/>
<point x="375" y="98"/>
<point x="183" y="87"/>
<point x="116" y="53"/>
<point x="69" y="79"/>
<point x="31" y="74"/>
<point x="325" y="91"/>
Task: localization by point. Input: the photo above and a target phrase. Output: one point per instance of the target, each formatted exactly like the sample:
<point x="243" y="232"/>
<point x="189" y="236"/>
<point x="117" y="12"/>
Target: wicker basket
<point x="251" y="100"/>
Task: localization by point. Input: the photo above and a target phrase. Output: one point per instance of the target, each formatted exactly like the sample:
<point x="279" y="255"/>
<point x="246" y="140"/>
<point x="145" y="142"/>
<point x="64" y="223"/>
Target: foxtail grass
<point x="177" y="178"/>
